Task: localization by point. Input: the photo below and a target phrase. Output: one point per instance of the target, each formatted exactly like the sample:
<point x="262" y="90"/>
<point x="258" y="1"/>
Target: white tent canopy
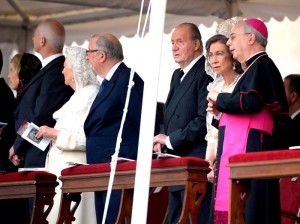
<point x="18" y="18"/>
<point x="84" y="18"/>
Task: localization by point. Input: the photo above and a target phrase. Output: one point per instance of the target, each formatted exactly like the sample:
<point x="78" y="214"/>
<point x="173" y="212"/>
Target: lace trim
<point x="82" y="70"/>
<point x="223" y="28"/>
<point x="226" y="26"/>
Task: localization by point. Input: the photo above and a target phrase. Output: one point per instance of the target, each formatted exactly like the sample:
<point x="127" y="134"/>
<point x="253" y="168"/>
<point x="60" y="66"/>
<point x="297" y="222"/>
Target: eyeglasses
<point x="87" y="52"/>
<point x="233" y="36"/>
<point x="218" y="55"/>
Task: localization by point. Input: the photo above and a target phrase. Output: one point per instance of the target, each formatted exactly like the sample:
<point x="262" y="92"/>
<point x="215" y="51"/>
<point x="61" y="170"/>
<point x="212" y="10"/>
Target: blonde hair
<point x="16" y="62"/>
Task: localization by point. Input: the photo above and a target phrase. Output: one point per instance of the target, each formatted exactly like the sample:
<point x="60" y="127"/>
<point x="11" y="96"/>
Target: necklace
<point x="231" y="84"/>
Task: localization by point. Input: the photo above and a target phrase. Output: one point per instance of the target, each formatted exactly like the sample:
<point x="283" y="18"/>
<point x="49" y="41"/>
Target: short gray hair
<point x="54" y="32"/>
<point x="111" y="46"/>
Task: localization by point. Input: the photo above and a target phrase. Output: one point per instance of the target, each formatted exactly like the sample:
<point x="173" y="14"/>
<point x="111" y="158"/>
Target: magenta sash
<point x="235" y="141"/>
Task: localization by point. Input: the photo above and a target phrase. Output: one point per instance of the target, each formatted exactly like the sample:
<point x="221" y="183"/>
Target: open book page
<point x="3" y="124"/>
<point x="23" y="127"/>
<point x="294" y="147"/>
<point x="122" y="159"/>
<point x="75" y="163"/>
<point x="165" y="155"/>
<point x="28" y="131"/>
<point x="32" y="169"/>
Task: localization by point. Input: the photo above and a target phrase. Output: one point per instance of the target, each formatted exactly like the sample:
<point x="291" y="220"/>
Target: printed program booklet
<point x="120" y="159"/>
<point x="75" y="163"/>
<point x="28" y="132"/>
<point x="165" y="155"/>
<point x="32" y="169"/>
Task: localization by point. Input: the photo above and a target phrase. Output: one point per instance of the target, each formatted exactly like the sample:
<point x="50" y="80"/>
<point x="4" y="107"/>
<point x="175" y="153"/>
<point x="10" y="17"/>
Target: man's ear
<point x="293" y="96"/>
<point x="251" y="38"/>
<point x="197" y="44"/>
<point x="102" y="56"/>
<point x="43" y="41"/>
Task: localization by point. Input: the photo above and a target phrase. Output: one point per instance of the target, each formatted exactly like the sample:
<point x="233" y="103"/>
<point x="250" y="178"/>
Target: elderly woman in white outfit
<point x="68" y="136"/>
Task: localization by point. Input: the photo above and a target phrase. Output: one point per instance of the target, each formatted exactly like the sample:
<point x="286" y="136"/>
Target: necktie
<point x="104" y="82"/>
<point x="178" y="79"/>
<point x="181" y="73"/>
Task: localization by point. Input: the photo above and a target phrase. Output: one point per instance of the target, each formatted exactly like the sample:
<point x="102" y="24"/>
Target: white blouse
<point x="70" y="119"/>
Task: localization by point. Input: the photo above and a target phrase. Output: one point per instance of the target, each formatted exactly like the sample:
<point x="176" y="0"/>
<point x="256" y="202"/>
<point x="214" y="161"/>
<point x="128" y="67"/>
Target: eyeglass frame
<point x="233" y="35"/>
<point x="218" y="55"/>
<point x="87" y="52"/>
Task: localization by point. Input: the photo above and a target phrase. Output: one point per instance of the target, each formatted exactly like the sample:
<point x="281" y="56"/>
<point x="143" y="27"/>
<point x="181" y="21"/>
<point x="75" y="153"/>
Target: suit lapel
<point x="180" y="90"/>
<point x="108" y="88"/>
<point x="101" y="96"/>
<point x="174" y="83"/>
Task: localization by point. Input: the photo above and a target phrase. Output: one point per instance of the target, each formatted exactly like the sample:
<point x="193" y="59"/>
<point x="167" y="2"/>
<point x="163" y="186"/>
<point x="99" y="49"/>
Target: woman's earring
<point x="73" y="78"/>
<point x="234" y="66"/>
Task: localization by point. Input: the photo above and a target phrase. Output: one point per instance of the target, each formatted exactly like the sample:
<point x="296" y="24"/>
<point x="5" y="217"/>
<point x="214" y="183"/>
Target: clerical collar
<point x="252" y="58"/>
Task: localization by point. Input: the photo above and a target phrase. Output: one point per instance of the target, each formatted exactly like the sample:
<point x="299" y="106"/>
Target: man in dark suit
<point x="292" y="90"/>
<point x="103" y="121"/>
<point x="44" y="94"/>
<point x="184" y="126"/>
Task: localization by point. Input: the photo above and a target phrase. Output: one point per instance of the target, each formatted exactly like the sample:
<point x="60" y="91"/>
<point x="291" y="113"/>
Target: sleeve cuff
<point x="168" y="143"/>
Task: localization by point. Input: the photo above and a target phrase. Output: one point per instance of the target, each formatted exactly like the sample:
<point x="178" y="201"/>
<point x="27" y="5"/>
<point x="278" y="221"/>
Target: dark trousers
<point x="175" y="205"/>
<point x="113" y="208"/>
<point x="14" y="211"/>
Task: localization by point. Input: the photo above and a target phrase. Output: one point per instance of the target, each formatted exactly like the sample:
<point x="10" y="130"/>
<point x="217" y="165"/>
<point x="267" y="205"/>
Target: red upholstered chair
<point x="188" y="171"/>
<point x="290" y="200"/>
<point x="157" y="200"/>
<point x="257" y="165"/>
<point x="38" y="185"/>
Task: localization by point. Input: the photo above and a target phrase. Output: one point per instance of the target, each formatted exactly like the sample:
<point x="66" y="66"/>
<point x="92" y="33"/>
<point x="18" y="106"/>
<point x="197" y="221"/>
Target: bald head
<point x="54" y="33"/>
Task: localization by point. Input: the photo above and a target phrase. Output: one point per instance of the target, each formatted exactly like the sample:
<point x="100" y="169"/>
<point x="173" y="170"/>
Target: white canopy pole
<point x="143" y="169"/>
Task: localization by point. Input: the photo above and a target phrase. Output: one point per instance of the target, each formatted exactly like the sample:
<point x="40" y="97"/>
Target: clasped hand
<point x="14" y="158"/>
<point x="47" y="132"/>
<point x="158" y="142"/>
<point x="212" y="98"/>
